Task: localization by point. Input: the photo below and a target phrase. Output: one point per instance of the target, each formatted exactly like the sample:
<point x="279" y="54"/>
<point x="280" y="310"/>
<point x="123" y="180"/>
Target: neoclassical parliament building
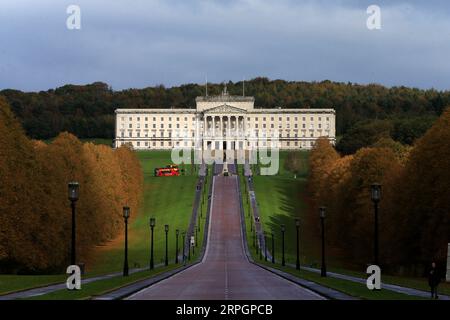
<point x="223" y="122"/>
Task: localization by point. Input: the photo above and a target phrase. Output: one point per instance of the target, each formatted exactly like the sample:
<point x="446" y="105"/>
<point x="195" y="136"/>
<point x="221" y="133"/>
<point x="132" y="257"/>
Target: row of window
<point x="154" y="118"/>
<point x="256" y="118"/>
<point x="217" y="144"/>
<point x="192" y="134"/>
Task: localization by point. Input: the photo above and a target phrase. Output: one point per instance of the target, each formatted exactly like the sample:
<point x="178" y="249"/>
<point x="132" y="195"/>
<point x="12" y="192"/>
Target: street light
<point x="74" y="190"/>
<point x="260" y="246"/>
<point x="323" y="269"/>
<point x="196" y="237"/>
<point x="183" y="234"/>
<point x="152" y="226"/>
<point x="166" y="229"/>
<point x="265" y="246"/>
<point x="283" y="230"/>
<point x="177" y="233"/>
<point x="126" y="215"/>
<point x="376" y="196"/>
<point x="273" y="248"/>
<point x="297" y="227"/>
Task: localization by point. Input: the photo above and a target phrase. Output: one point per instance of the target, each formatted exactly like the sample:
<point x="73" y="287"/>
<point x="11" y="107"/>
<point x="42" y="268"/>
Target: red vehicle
<point x="166" y="172"/>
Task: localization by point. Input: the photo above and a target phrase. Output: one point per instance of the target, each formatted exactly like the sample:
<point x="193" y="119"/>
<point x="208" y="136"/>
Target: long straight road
<point x="225" y="273"/>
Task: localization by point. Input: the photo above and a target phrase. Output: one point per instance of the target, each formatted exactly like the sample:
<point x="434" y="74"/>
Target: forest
<point x="87" y="111"/>
<point x="414" y="206"/>
<point x="35" y="214"/>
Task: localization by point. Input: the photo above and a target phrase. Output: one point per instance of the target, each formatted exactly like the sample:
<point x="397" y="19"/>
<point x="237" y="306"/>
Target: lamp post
<point x="260" y="246"/>
<point x="297" y="227"/>
<point x="183" y="234"/>
<point x="74" y="190"/>
<point x="126" y="215"/>
<point x="323" y="269"/>
<point x="283" y="230"/>
<point x="177" y="233"/>
<point x="152" y="227"/>
<point x="196" y="237"/>
<point x="376" y="196"/>
<point x="265" y="246"/>
<point x="166" y="229"/>
<point x="273" y="248"/>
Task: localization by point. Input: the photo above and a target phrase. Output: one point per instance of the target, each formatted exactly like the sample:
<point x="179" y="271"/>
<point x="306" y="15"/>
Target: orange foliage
<point x="35" y="215"/>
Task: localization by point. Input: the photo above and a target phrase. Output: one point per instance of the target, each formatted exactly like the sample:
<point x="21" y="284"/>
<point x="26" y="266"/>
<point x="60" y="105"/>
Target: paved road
<point x="225" y="272"/>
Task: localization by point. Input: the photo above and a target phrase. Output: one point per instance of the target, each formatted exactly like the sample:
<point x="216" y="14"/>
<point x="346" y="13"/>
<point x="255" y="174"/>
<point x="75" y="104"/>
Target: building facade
<point x="223" y="122"/>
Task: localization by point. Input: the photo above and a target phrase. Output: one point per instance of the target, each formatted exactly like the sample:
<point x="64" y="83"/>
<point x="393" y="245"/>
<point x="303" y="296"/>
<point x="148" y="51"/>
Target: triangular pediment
<point x="225" y="108"/>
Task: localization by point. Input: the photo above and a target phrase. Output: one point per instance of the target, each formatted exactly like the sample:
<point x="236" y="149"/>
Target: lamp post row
<point x="73" y="195"/>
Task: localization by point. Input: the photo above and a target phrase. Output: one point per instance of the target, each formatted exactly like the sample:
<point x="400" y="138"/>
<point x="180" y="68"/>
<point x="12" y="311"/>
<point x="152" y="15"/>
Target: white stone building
<point x="223" y="122"/>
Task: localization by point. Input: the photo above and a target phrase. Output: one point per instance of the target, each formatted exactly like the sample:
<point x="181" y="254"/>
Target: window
<point x="146" y="126"/>
<point x="122" y="134"/>
<point x="162" y="125"/>
<point x="146" y="119"/>
<point x="154" y="126"/>
<point x="138" y="118"/>
<point x="178" y="119"/>
<point x="130" y="126"/>
<point x="138" y="144"/>
<point x="185" y="118"/>
<point x="131" y="119"/>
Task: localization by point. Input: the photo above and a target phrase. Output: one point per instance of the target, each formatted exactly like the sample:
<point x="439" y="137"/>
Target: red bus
<point x="166" y="172"/>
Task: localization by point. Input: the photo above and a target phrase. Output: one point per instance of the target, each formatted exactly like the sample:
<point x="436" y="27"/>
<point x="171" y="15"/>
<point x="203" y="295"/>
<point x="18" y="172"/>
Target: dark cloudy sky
<point x="139" y="43"/>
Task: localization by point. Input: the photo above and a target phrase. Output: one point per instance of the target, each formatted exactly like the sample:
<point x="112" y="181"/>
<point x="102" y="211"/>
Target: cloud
<point x="141" y="43"/>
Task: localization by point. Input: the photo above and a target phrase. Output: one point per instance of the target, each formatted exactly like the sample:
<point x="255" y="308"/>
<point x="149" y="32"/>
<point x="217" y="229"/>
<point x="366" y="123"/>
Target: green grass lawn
<point x="348" y="287"/>
<point x="167" y="199"/>
<point x="97" y="288"/>
<point x="11" y="283"/>
<point x="280" y="200"/>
